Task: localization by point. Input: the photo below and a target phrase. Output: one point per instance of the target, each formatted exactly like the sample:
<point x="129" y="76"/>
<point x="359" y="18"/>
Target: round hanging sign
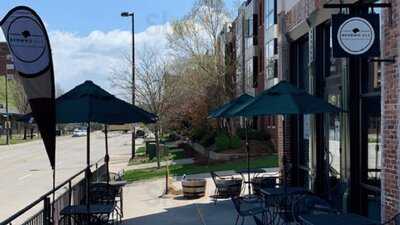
<point x="356" y="35"/>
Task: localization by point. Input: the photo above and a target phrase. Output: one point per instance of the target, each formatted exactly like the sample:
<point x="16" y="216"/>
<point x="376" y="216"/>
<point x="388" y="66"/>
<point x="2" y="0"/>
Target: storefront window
<point x="334" y="69"/>
<point x="374" y="155"/>
<point x="373" y="81"/>
<point x="334" y="136"/>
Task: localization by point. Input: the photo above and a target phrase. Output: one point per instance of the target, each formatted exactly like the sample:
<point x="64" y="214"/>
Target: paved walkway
<point x="154" y="164"/>
<point x="143" y="205"/>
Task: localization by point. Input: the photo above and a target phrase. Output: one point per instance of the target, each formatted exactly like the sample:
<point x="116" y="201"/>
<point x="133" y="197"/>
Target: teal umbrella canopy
<point x="228" y="110"/>
<point x="285" y="99"/>
<point x="88" y="102"/>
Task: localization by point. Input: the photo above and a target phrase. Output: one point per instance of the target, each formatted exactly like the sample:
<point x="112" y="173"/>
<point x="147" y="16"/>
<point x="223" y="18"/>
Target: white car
<point x="79" y="133"/>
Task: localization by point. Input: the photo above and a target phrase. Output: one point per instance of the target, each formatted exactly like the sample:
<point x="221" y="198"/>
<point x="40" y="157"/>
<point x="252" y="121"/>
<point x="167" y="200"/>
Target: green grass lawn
<point x="178" y="170"/>
<point x="142" y="158"/>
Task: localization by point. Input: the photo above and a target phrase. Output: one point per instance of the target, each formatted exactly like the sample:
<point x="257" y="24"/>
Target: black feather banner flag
<point x="29" y="46"/>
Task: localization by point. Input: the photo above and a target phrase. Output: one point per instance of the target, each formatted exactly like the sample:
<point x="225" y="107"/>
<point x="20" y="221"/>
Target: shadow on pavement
<point x="222" y="213"/>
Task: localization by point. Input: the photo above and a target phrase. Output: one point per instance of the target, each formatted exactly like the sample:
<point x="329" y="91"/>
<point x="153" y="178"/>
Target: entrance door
<point x="301" y="125"/>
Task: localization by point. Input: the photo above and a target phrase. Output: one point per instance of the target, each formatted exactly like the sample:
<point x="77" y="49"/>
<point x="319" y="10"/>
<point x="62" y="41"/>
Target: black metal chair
<point x="395" y="220"/>
<point x="309" y="204"/>
<point x="264" y="182"/>
<point x="103" y="193"/>
<point x="226" y="187"/>
<point x="248" y="207"/>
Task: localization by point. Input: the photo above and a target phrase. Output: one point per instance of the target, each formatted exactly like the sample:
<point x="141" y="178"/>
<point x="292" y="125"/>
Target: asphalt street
<point x="25" y="171"/>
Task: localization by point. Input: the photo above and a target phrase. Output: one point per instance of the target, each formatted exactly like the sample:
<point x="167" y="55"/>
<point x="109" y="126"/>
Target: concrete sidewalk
<point x="144" y="206"/>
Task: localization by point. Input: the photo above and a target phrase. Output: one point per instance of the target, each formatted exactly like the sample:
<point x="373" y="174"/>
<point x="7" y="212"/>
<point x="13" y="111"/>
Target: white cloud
<point x="78" y="58"/>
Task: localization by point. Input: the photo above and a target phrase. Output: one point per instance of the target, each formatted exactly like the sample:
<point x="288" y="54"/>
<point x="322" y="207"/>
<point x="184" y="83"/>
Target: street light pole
<point x="132" y="15"/>
<point x="7" y="123"/>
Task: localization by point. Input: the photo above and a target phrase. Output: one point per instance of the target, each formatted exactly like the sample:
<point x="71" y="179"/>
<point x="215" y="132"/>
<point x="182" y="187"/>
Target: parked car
<point x="79" y="133"/>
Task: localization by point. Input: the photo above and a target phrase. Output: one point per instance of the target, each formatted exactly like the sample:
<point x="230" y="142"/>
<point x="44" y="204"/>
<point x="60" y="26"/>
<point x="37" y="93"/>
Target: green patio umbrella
<point x="228" y="110"/>
<point x="88" y="103"/>
<point x="225" y="111"/>
<point x="285" y="99"/>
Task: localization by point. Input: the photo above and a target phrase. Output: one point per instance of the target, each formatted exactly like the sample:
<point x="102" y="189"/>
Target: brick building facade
<point x="357" y="149"/>
<point x="390" y="111"/>
<point x="356" y="152"/>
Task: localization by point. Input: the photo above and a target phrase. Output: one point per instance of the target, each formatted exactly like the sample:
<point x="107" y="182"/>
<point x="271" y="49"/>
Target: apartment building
<point x="227" y="58"/>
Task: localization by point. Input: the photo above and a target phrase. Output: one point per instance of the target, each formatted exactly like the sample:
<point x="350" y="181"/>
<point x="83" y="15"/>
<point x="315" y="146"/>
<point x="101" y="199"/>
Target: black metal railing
<point x="71" y="192"/>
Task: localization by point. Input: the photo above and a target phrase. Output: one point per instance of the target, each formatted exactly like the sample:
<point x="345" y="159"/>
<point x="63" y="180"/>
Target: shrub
<point x="252" y="134"/>
<point x="198" y="133"/>
<point x="235" y="142"/>
<point x="208" y="139"/>
<point x="222" y="142"/>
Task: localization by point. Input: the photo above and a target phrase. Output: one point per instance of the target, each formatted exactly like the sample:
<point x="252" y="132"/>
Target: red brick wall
<point x="390" y="112"/>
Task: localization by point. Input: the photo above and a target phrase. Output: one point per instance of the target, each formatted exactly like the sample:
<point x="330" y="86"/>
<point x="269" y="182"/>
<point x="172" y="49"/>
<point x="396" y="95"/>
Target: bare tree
<point x="155" y="86"/>
<point x="194" y="40"/>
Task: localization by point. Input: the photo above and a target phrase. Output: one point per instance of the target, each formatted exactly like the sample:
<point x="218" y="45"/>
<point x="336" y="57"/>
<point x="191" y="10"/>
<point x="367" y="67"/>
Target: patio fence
<point x="70" y="192"/>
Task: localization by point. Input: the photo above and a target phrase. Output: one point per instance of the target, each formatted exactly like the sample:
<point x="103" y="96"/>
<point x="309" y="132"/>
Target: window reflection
<point x="334" y="136"/>
<point x="374" y="156"/>
<point x="373" y="83"/>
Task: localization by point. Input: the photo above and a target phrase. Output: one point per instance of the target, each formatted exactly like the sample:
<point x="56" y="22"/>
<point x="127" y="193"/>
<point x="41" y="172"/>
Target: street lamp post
<point x="132" y="15"/>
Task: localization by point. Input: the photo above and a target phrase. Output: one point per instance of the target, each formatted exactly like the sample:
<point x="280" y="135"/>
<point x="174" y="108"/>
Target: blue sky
<point x="89" y="37"/>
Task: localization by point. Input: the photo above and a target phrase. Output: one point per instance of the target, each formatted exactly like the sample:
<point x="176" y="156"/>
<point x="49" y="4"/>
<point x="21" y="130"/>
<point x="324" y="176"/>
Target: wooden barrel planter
<point x="194" y="188"/>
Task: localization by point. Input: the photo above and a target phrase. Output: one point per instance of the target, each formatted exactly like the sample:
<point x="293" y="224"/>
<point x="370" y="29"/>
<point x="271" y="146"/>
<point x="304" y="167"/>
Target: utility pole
<point x="7" y="123"/>
<point x="132" y="15"/>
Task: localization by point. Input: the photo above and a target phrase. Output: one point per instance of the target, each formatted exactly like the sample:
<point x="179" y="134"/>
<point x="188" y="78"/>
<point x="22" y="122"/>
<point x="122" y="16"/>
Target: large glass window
<point x="270" y="13"/>
<point x="373" y="81"/>
<point x="271" y="61"/>
<point x="334" y="70"/>
<point x="302" y="124"/>
<point x="334" y="135"/>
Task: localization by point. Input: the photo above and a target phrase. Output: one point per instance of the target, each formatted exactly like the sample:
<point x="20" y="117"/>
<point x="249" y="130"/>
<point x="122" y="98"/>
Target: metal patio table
<point x="88" y="214"/>
<point x="337" y="219"/>
<point x="256" y="172"/>
<point x="278" y="202"/>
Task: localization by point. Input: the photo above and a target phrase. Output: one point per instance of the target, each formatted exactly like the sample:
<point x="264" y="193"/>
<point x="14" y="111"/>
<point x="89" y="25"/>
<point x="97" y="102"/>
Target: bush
<point x="208" y="139"/>
<point x="252" y="134"/>
<point x="222" y="142"/>
<point x="235" y="142"/>
<point x="198" y="133"/>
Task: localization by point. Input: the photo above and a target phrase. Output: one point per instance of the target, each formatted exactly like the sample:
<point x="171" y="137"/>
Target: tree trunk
<point x="158" y="148"/>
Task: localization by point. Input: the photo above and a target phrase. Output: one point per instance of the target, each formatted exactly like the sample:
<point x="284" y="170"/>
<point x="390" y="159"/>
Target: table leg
<point x="122" y="202"/>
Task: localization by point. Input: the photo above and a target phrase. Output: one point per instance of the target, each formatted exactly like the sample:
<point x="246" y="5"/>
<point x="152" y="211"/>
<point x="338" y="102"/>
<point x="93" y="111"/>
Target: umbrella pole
<point x="54" y="194"/>
<point x="248" y="157"/>
<point x="107" y="157"/>
<point x="284" y="159"/>
<point x="87" y="163"/>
